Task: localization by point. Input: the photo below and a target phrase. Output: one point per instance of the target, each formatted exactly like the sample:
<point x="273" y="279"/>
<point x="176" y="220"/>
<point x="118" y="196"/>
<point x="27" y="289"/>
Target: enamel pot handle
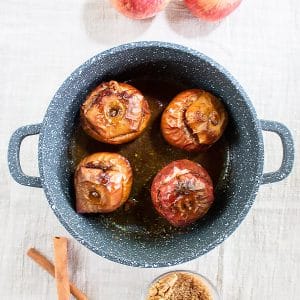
<point x="288" y="151"/>
<point x="14" y="155"/>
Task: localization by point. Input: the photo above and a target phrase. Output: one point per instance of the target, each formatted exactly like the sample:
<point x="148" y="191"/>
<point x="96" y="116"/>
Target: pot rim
<point x="255" y="184"/>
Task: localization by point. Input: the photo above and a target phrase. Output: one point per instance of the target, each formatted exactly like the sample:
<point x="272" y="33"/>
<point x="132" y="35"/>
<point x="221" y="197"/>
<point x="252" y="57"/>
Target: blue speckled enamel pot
<point x="245" y="160"/>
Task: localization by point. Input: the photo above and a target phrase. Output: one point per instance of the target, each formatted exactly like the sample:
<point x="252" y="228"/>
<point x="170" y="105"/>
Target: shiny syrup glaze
<point x="147" y="155"/>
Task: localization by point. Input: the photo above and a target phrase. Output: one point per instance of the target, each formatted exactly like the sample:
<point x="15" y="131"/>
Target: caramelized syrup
<point x="147" y="155"/>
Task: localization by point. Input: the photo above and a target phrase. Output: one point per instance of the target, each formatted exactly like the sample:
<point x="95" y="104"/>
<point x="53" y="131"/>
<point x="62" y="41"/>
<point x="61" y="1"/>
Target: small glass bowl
<point x="207" y="282"/>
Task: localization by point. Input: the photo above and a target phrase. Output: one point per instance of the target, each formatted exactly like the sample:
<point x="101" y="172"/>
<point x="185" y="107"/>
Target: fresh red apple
<point x="139" y="9"/>
<point x="212" y="10"/>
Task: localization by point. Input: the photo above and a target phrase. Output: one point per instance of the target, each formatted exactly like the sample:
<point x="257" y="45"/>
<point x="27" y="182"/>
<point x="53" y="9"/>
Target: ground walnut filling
<point x="179" y="286"/>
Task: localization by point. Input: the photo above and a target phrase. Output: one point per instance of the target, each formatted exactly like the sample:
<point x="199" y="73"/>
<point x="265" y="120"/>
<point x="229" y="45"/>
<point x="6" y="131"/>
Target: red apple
<point x="139" y="9"/>
<point x="182" y="192"/>
<point x="212" y="10"/>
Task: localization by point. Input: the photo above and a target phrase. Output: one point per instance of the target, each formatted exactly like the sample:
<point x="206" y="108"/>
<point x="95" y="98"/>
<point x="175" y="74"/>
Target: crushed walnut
<point x="179" y="286"/>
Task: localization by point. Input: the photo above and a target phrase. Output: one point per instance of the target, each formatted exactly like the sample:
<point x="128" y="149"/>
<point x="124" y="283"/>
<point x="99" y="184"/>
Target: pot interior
<point x="136" y="234"/>
<point x="147" y="155"/>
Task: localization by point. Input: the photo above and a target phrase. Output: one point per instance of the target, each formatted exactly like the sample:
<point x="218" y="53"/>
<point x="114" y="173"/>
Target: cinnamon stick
<point x="61" y="268"/>
<point x="42" y="261"/>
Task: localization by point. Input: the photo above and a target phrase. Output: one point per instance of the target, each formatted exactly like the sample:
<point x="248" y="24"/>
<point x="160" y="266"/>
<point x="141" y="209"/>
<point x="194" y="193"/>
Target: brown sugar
<point x="179" y="286"/>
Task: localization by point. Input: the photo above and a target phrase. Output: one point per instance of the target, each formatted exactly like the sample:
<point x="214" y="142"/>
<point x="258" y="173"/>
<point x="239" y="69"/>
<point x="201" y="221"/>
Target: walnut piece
<point x="179" y="286"/>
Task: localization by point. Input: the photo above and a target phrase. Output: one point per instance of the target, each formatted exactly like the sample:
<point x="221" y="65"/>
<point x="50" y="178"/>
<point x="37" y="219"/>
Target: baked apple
<point x="115" y="113"/>
<point x="194" y="120"/>
<point x="102" y="182"/>
<point x="182" y="192"/>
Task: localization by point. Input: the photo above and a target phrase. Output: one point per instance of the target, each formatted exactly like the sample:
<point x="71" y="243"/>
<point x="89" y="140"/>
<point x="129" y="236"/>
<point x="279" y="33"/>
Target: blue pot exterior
<point x="235" y="195"/>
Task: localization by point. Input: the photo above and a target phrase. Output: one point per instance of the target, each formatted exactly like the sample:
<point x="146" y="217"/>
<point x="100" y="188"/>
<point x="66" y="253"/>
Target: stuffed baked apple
<point x="194" y="120"/>
<point x="182" y="192"/>
<point x="115" y="113"/>
<point x="102" y="182"/>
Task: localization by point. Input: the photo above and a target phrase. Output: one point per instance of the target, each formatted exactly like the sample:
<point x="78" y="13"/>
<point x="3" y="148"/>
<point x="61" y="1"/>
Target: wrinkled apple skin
<point x="115" y="113"/>
<point x="182" y="192"/>
<point x="102" y="182"/>
<point x="212" y="10"/>
<point x="194" y="120"/>
<point x="139" y="9"/>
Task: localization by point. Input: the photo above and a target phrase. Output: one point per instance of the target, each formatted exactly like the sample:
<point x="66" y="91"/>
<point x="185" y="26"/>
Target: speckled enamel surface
<point x="235" y="194"/>
<point x="288" y="151"/>
<point x="14" y="155"/>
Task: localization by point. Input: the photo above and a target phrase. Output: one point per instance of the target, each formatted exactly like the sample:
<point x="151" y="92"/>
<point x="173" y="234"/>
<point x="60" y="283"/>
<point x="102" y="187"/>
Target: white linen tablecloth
<point x="42" y="42"/>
